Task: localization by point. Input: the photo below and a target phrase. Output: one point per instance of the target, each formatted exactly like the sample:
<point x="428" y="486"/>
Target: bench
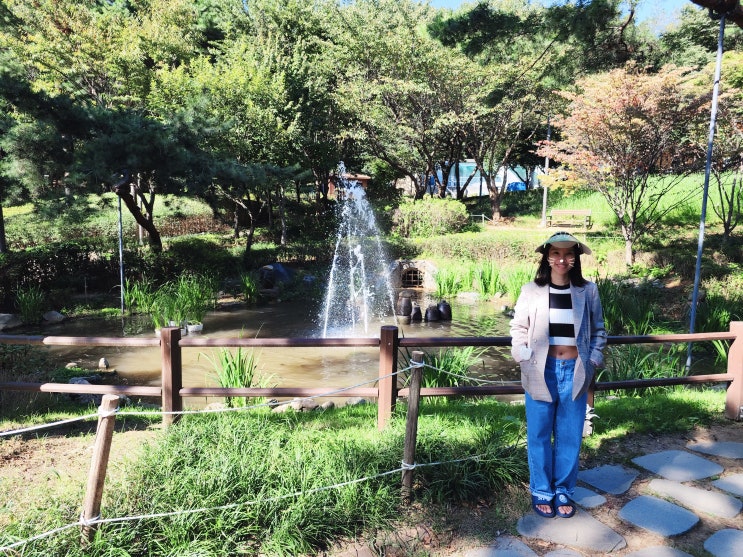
<point x="570" y="217"/>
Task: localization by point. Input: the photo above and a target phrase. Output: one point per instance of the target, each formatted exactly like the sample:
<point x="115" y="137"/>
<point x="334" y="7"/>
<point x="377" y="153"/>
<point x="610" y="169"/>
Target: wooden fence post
<point x="411" y="426"/>
<point x="98" y="466"/>
<point x="388" y="346"/>
<point x="734" y="398"/>
<point x="172" y="373"/>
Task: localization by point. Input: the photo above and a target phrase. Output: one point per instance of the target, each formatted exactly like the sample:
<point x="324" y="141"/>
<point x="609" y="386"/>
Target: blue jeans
<point x="554" y="432"/>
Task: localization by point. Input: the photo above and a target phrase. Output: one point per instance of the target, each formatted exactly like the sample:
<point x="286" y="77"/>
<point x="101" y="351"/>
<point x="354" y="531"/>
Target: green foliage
<point x="468" y="246"/>
<point x="637" y="362"/>
<point x="660" y="412"/>
<point x="430" y="216"/>
<point x="182" y="301"/>
<point x="286" y="484"/>
<point x="31" y="304"/>
<point x="515" y="277"/>
<point x="249" y="287"/>
<point x="448" y="283"/>
<point x="139" y="296"/>
<point x="628" y="309"/>
<point x="450" y="367"/>
<point x="238" y="369"/>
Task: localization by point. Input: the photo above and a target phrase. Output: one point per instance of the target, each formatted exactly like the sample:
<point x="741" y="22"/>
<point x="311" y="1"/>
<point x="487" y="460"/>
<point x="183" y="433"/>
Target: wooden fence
<point x="386" y="392"/>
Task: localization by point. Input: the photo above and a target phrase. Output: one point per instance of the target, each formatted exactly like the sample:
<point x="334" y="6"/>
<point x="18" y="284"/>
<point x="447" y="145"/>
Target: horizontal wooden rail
<point x="302" y="392"/>
<point x="74" y="388"/>
<point x="386" y="391"/>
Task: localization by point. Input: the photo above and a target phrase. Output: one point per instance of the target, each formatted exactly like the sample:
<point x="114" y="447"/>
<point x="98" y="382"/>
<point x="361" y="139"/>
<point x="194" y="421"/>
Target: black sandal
<point x="536" y="501"/>
<point x="563" y="500"/>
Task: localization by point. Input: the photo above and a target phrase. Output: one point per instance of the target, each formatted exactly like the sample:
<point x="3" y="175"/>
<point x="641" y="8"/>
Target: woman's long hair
<point x="544" y="272"/>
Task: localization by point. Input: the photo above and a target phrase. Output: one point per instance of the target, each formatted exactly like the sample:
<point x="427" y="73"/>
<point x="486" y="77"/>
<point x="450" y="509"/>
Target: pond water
<point x="300" y="367"/>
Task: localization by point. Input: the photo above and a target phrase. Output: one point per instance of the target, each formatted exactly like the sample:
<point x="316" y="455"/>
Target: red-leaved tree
<point x="633" y="136"/>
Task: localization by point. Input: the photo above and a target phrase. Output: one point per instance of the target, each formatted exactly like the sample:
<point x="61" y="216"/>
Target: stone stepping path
<point x="669" y="508"/>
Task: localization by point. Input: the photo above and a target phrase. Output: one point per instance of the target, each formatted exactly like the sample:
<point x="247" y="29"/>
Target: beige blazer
<point x="530" y="337"/>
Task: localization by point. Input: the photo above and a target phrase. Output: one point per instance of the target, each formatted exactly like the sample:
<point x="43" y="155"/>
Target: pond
<point x="300" y="367"/>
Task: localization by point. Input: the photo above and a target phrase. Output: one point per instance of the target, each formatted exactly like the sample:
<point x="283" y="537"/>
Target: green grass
<point x="292" y="483"/>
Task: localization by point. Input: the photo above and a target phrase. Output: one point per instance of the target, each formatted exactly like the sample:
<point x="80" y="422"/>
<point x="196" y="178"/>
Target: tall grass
<point x="249" y="287"/>
<point x="286" y="484"/>
<point x="490" y="282"/>
<point x="31" y="302"/>
<point x="139" y="295"/>
<point x="447" y="283"/>
<point x="627" y="309"/>
<point x="515" y="277"/>
<point x="636" y="362"/>
<point x="238" y="369"/>
<point x="450" y="367"/>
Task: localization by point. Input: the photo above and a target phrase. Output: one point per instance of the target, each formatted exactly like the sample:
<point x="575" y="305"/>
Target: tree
<point x="693" y="41"/>
<point x="416" y="93"/>
<point x="628" y="135"/>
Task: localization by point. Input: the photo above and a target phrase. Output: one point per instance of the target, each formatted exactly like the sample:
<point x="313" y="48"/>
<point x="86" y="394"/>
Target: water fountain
<point x="359" y="291"/>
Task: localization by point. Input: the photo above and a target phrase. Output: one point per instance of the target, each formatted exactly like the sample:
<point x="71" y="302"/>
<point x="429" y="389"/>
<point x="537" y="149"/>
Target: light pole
<point x="544" y="186"/>
<point x="708" y="165"/>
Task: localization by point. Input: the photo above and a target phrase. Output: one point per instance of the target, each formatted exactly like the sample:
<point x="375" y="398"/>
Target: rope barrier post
<point x="734" y="397"/>
<point x="172" y="373"/>
<point x="98" y="466"/>
<point x="388" y="346"/>
<point x="411" y="425"/>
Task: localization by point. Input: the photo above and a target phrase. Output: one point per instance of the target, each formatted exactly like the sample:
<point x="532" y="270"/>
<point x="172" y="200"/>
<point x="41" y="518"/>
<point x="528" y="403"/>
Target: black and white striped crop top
<point x="562" y="326"/>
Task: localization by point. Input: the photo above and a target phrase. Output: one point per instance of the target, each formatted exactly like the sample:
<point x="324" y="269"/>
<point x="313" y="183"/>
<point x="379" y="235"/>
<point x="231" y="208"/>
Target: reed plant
<point x="196" y="294"/>
<point x="627" y="309"/>
<point x="449" y="367"/>
<point x="238" y="369"/>
<point x="516" y="276"/>
<point x="250" y="288"/>
<point x="489" y="279"/>
<point x="448" y="283"/>
<point x="139" y="296"/>
<point x="633" y="361"/>
<point x="31" y="302"/>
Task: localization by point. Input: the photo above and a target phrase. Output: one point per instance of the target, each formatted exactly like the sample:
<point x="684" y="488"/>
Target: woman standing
<point x="558" y="337"/>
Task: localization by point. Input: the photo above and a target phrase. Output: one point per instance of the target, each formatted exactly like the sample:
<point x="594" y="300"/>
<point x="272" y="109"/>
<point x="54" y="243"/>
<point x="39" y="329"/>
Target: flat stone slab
<point x="726" y="449"/>
<point x="563" y="553"/>
<point x="678" y="465"/>
<point x="697" y="499"/>
<point x="659" y="551"/>
<point x="588" y="499"/>
<point x="582" y="531"/>
<point x="504" y="546"/>
<point x="659" y="516"/>
<point x="725" y="543"/>
<point x="611" y="478"/>
<point x="732" y="484"/>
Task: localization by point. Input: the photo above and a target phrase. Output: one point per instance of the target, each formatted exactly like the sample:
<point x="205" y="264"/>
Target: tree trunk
<point x="3" y="241"/>
<point x="495" y="200"/>
<point x="249" y="239"/>
<point x="629" y="254"/>
<point x="131" y="204"/>
<point x="282" y="216"/>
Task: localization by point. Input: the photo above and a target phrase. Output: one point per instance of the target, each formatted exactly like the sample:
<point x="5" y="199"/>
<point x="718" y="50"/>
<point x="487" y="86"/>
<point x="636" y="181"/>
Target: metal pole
<point x="703" y="217"/>
<point x="544" y="187"/>
<point x="121" y="258"/>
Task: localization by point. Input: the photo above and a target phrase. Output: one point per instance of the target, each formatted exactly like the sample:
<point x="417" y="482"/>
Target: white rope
<point x="468" y="377"/>
<point x="98" y="520"/>
<point x="45" y="426"/>
<point x="102" y="413"/>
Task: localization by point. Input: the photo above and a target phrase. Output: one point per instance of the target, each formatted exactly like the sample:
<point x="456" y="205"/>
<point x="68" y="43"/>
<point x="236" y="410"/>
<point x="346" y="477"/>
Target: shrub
<point x="430" y="216"/>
